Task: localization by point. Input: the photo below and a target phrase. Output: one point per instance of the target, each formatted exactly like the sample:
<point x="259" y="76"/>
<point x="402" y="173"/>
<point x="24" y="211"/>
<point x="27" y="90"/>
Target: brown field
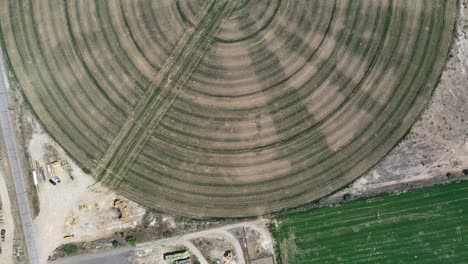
<point x="227" y="108"/>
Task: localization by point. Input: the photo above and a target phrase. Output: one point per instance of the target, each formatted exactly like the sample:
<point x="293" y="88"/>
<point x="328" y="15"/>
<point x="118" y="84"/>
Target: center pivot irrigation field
<point x="227" y="107"/>
<point x="425" y="226"/>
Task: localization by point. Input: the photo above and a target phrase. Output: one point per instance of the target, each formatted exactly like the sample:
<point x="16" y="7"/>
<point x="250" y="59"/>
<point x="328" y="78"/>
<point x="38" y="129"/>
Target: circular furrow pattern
<point x="292" y="100"/>
<point x="81" y="66"/>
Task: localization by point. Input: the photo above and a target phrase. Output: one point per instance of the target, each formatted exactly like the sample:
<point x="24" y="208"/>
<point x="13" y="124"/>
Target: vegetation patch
<point x="423" y="226"/>
<point x="69" y="249"/>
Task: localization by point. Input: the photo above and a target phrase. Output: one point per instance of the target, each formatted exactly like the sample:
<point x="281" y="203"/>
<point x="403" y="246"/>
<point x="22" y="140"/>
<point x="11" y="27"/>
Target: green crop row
<point x="423" y="226"/>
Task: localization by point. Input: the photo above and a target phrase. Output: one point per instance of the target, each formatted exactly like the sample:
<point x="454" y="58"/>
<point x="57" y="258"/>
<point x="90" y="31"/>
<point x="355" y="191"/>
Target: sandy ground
<point x="213" y="247"/>
<point x="7" y="246"/>
<point x="76" y="206"/>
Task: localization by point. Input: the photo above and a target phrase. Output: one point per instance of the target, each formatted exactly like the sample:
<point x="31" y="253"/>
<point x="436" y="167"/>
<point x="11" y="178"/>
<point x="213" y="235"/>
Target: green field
<point x="424" y="226"/>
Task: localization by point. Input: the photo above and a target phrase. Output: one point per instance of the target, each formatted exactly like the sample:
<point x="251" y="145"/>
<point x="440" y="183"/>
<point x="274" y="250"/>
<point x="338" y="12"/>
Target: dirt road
<point x="121" y="255"/>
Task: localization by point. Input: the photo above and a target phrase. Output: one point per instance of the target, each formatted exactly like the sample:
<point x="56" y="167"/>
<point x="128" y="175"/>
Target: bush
<point x="131" y="240"/>
<point x="70" y="249"/>
<point x="115" y="243"/>
<point x="86" y="170"/>
<point x="167" y="233"/>
<point x="346" y="197"/>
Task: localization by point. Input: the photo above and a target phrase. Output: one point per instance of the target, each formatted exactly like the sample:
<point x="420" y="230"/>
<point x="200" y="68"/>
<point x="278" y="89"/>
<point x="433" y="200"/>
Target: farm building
<point x="177" y="257"/>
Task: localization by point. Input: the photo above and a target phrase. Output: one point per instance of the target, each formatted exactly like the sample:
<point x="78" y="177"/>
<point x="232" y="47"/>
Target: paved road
<point x="121" y="255"/>
<point x="121" y="258"/>
<point x="117" y="256"/>
<point x="6" y="125"/>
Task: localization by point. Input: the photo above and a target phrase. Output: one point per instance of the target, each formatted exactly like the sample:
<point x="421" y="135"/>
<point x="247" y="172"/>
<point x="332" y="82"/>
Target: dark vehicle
<point x="2" y="233"/>
<point x="51" y="181"/>
<point x="57" y="179"/>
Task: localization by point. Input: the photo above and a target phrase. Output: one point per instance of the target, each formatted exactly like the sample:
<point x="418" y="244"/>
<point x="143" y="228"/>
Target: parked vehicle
<point x="68" y="237"/>
<point x="3" y="233"/>
<point x="52" y="182"/>
<point x="57" y="179"/>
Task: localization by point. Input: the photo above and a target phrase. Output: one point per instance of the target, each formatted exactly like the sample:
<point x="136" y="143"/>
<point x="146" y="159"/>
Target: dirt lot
<point x="211" y="245"/>
<point x="76" y="207"/>
<point x="214" y="248"/>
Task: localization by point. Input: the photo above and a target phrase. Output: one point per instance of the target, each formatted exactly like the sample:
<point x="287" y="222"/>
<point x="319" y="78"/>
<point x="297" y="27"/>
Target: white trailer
<point x="35" y="177"/>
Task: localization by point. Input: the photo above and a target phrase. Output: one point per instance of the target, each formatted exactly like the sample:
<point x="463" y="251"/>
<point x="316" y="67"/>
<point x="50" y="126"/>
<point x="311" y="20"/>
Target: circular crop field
<point x="227" y="108"/>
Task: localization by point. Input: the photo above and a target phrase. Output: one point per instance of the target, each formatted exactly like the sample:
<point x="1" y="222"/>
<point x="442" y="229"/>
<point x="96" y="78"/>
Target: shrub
<point x="167" y="233"/>
<point x="346" y="197"/>
<point x="115" y="243"/>
<point x="131" y="240"/>
<point x="70" y="249"/>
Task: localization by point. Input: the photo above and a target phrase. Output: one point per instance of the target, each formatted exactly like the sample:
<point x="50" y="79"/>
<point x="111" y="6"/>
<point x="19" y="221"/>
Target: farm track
<point x="284" y="103"/>
<point x="162" y="92"/>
